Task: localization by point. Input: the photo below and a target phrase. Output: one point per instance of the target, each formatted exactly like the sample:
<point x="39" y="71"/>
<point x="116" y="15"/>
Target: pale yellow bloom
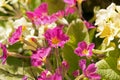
<point x="108" y="22"/>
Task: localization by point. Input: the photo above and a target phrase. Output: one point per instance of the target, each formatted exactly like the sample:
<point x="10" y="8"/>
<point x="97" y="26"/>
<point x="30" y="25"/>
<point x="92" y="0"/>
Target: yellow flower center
<point x="44" y="59"/>
<point x="79" y="1"/>
<point x="107" y="32"/>
<point x="23" y="28"/>
<point x="55" y="40"/>
<point x="85" y="51"/>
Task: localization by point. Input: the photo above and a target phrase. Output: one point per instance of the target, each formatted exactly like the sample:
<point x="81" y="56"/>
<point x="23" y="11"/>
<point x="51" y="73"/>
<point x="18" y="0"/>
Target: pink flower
<point x="25" y="78"/>
<point x="90" y="71"/>
<point x="69" y="10"/>
<point x="39" y="13"/>
<point x="70" y="2"/>
<point x="88" y="25"/>
<point x="56" y="37"/>
<point x="16" y="35"/>
<point x="65" y="65"/>
<point x="46" y="75"/>
<point x="4" y="50"/>
<point x="76" y="73"/>
<point x="39" y="56"/>
<point x="56" y="76"/>
<point x="71" y="6"/>
<point x="83" y="49"/>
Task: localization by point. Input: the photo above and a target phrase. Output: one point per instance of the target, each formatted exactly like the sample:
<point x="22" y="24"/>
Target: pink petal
<point x="82" y="64"/>
<point x="91" y="69"/>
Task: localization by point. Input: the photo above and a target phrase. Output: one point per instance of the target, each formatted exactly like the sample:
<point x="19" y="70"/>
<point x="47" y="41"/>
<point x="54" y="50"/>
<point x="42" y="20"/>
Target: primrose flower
<point x="4" y="52"/>
<point x="5" y="32"/>
<point x="89" y="25"/>
<point x="38" y="57"/>
<point x="71" y="5"/>
<point x="90" y="71"/>
<point x="16" y="36"/>
<point x="76" y="73"/>
<point x="56" y="76"/>
<point x="108" y="23"/>
<point x="40" y="15"/>
<point x="39" y="12"/>
<point x="46" y="75"/>
<point x="83" y="49"/>
<point x="56" y="37"/>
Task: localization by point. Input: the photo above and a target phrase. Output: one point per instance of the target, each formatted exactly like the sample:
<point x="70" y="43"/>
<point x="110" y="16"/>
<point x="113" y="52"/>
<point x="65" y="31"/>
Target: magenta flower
<point x="65" y="65"/>
<point x="4" y="50"/>
<point x="76" y="73"/>
<point x="90" y="71"/>
<point x="83" y="49"/>
<point x="70" y="2"/>
<point x="69" y="10"/>
<point x="71" y="6"/>
<point x="88" y="25"/>
<point x="38" y="57"/>
<point x="40" y="15"/>
<point x="56" y="76"/>
<point x="45" y="75"/>
<point x="56" y="37"/>
<point x="16" y="35"/>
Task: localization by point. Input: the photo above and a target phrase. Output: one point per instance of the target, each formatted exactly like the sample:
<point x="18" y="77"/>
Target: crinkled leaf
<point x="107" y="68"/>
<point x="19" y="67"/>
<point x="5" y="75"/>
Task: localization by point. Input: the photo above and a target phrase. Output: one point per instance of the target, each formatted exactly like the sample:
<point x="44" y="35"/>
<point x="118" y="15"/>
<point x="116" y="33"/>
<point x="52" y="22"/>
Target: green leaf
<point x="92" y="34"/>
<point x="55" y="5"/>
<point x="107" y="68"/>
<point x="77" y="32"/>
<point x="15" y="47"/>
<point x="34" y="4"/>
<point x="20" y="67"/>
<point x="5" y="75"/>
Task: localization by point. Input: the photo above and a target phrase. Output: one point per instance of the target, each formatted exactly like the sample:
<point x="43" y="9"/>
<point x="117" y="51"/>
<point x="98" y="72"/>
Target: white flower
<point x="43" y="28"/>
<point x="28" y="30"/>
<point x="108" y="22"/>
<point x="5" y="32"/>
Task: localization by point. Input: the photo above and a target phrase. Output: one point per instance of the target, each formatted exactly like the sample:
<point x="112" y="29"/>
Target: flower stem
<point x="48" y="65"/>
<point x="80" y="77"/>
<point x="28" y="43"/>
<point x="67" y="77"/>
<point x="57" y="56"/>
<point x="13" y="54"/>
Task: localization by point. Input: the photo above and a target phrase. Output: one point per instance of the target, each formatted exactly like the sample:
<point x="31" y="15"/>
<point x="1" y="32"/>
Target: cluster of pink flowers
<point x="39" y="56"/>
<point x="54" y="39"/>
<point x="58" y="75"/>
<point x="40" y="15"/>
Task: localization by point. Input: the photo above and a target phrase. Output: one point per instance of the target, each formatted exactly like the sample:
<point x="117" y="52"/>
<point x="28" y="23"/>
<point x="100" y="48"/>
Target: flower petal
<point x="82" y="64"/>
